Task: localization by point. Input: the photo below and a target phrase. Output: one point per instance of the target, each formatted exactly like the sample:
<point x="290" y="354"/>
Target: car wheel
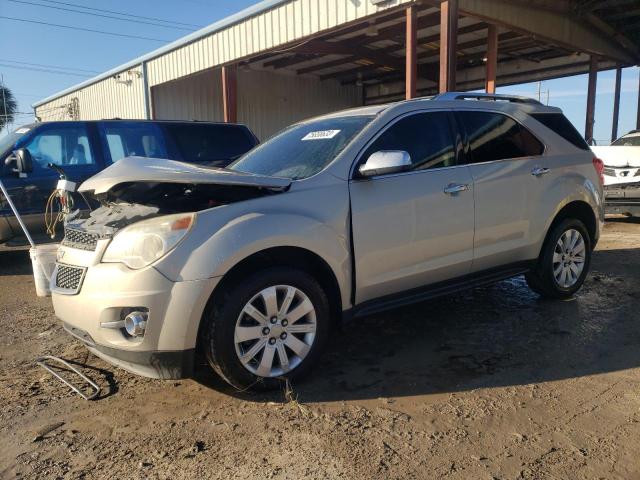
<point x="270" y="328"/>
<point x="564" y="261"/>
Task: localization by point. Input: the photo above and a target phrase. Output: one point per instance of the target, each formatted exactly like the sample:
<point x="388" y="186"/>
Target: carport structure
<point x="283" y="60"/>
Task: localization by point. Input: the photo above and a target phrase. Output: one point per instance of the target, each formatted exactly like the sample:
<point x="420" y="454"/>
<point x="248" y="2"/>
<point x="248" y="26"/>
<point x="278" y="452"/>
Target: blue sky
<point x="39" y="44"/>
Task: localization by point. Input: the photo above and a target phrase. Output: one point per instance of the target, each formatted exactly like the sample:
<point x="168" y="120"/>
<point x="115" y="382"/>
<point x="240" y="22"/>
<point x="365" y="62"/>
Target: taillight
<point x="599" y="166"/>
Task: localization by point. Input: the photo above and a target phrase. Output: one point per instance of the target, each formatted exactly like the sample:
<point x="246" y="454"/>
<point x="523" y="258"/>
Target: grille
<point x="79" y="239"/>
<point x="609" y="172"/>
<point x="69" y="278"/>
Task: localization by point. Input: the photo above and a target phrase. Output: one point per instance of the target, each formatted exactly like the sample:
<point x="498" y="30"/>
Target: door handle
<point x="539" y="171"/>
<point x="455" y="188"/>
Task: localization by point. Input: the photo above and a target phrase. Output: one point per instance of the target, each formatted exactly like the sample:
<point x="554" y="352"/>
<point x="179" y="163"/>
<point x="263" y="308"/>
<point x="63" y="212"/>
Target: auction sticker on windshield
<point x="320" y="135"/>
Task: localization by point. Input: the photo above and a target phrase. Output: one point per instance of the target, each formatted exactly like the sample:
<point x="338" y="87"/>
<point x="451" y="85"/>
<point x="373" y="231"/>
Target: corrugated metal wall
<point x="105" y="99"/>
<point x="283" y="24"/>
<point x="197" y="97"/>
<point x="267" y="102"/>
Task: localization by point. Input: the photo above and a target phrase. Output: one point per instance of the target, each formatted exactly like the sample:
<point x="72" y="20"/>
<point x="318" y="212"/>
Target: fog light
<point x="135" y="323"/>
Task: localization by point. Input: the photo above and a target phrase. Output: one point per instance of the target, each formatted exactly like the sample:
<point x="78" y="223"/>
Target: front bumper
<point x="175" y="308"/>
<point x="622" y="199"/>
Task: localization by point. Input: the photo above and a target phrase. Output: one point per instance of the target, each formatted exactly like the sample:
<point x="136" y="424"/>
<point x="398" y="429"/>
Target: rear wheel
<point x="564" y="261"/>
<point x="270" y="328"/>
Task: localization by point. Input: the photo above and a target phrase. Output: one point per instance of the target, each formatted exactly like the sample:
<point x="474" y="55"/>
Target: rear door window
<point x="128" y="139"/>
<point x="425" y="136"/>
<point x="493" y="136"/>
<point x="215" y="145"/>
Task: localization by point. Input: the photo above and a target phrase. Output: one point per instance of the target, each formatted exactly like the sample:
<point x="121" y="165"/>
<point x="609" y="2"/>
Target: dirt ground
<point x="493" y="383"/>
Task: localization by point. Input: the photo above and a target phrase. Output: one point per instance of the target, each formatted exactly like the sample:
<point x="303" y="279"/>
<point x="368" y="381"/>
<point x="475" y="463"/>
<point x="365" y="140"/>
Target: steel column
<point x="411" y="69"/>
<point x="591" y="99"/>
<point x="492" y="59"/>
<point x="230" y="93"/>
<point x="638" y="114"/>
<point x="616" y="104"/>
<point x="448" y="43"/>
<point x="145" y="86"/>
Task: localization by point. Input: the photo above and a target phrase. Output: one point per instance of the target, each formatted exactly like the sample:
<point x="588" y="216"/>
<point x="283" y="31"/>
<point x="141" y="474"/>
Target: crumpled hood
<point x="619" y="156"/>
<point x="156" y="170"/>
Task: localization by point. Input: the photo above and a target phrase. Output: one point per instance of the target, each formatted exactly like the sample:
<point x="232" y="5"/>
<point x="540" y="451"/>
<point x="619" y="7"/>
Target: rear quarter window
<point x="494" y="136"/>
<point x="563" y="127"/>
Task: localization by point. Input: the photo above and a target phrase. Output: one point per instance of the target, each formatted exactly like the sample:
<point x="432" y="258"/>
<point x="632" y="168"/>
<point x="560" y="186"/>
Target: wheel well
<point x="581" y="211"/>
<point x="294" y="257"/>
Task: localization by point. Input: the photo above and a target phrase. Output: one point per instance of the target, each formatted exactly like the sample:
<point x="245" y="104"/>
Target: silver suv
<point x="342" y="215"/>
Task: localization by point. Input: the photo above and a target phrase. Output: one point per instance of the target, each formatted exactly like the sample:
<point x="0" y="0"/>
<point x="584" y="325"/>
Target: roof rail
<point x="486" y="97"/>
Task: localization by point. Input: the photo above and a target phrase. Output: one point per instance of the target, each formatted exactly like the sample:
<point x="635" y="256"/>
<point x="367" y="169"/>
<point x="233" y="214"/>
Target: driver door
<point x="67" y="145"/>
<point x="409" y="232"/>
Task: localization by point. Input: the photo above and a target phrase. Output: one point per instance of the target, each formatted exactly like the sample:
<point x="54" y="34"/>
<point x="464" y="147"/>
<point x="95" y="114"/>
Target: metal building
<point x="283" y="60"/>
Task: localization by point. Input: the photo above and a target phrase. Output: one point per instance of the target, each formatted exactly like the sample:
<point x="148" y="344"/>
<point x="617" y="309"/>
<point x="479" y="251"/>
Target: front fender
<point x="207" y="255"/>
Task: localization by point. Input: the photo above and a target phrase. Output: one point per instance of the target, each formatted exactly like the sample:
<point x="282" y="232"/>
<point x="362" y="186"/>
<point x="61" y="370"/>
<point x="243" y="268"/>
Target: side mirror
<point x="385" y="162"/>
<point x="21" y="160"/>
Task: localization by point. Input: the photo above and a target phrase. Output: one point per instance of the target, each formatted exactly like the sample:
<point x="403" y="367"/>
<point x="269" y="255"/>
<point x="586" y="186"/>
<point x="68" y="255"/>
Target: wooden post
<point x="411" y="73"/>
<point x="591" y="99"/>
<point x="616" y="105"/>
<point x="492" y="59"/>
<point x="448" y="42"/>
<point x="230" y="93"/>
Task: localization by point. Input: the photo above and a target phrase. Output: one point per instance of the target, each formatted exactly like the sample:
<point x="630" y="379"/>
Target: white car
<point x="622" y="174"/>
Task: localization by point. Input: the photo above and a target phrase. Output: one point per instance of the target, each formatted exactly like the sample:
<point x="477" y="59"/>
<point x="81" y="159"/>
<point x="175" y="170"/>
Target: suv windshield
<point x="629" y="141"/>
<point x="8" y="141"/>
<point x="302" y="150"/>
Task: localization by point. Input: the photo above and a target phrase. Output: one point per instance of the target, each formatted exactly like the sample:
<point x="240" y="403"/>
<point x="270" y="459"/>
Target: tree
<point x="8" y="106"/>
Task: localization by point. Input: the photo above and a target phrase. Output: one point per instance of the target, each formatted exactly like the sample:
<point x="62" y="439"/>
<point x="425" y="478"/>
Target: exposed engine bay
<point x="131" y="202"/>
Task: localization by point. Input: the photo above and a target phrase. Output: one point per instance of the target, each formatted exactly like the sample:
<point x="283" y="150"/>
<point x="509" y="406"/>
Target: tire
<point x="227" y="318"/>
<point x="544" y="278"/>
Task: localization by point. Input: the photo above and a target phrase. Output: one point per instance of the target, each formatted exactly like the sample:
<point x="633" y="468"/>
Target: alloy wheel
<point x="569" y="258"/>
<point x="275" y="331"/>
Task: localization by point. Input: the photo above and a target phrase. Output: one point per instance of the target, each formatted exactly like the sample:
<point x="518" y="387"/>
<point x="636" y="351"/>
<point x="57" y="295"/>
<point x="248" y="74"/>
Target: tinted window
<point x="126" y="139"/>
<point x="302" y="150"/>
<point x="215" y="145"/>
<point x="63" y="145"/>
<point x="493" y="136"/>
<point x="563" y="127"/>
<point x="425" y="136"/>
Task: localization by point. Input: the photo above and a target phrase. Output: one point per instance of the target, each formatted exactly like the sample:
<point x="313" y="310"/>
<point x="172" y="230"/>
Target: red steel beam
<point x="448" y="42"/>
<point x="492" y="59"/>
<point x="411" y="67"/>
<point x="230" y="93"/>
<point x="591" y="98"/>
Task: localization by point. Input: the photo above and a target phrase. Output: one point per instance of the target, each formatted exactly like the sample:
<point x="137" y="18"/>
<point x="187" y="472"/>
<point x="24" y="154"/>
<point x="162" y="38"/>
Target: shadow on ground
<point x="497" y="335"/>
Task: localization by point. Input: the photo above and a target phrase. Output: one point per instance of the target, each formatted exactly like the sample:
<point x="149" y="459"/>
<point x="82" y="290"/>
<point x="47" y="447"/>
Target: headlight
<point x="143" y="243"/>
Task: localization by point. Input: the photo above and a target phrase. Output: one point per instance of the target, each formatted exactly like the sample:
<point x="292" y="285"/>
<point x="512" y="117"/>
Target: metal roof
<point x="248" y="12"/>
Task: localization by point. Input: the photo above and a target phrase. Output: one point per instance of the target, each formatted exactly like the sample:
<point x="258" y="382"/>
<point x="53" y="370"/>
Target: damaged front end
<point x="137" y="189"/>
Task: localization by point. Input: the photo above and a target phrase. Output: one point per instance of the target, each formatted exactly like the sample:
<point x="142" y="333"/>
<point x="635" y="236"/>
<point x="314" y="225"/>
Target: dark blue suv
<point x="83" y="148"/>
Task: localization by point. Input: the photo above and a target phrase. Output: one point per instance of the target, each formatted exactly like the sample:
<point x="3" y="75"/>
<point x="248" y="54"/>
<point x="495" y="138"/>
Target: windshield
<point x="302" y="150"/>
<point x="8" y="141"/>
<point x="629" y="141"/>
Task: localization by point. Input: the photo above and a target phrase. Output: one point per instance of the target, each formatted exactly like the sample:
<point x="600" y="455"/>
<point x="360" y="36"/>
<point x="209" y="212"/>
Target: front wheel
<point x="564" y="261"/>
<point x="269" y="328"/>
